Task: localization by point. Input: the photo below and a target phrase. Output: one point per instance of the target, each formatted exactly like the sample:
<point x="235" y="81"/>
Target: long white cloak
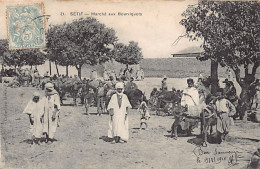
<point x="118" y="126"/>
<point x="191" y="98"/>
<point x="36" y="111"/>
<point x="49" y="125"/>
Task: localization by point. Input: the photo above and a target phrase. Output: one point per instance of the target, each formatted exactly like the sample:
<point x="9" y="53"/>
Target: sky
<point x="155" y="30"/>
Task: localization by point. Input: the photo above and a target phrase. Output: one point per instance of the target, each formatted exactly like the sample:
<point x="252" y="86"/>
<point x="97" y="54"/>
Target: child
<point x="35" y="111"/>
<point x="100" y="99"/>
<point x="144" y="114"/>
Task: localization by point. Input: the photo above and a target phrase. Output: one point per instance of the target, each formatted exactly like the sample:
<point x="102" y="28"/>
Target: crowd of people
<point x="197" y="97"/>
<point x="126" y="74"/>
<point x="44" y="110"/>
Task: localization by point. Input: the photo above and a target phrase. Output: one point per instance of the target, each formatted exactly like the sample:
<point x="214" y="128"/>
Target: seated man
<point x="130" y="85"/>
<point x="230" y="91"/>
<point x="190" y="97"/>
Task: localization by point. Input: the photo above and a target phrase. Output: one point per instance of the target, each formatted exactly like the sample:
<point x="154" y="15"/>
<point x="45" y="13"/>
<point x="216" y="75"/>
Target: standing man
<point x="118" y="108"/>
<point x="37" y="77"/>
<point x="164" y="84"/>
<point x="100" y="99"/>
<point x="225" y="111"/>
<point x="105" y="75"/>
<point x="51" y="111"/>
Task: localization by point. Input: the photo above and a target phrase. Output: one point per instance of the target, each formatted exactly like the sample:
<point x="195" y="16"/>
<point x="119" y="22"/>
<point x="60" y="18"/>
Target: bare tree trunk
<point x="67" y="70"/>
<point x="245" y="96"/>
<point x="57" y="69"/>
<point x="214" y="77"/>
<point x="50" y="66"/>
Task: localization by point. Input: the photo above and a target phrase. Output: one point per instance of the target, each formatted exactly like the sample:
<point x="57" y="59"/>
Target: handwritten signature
<point x="215" y="156"/>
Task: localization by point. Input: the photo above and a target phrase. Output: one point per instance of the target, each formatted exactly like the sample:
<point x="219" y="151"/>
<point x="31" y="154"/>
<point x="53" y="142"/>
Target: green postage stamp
<point x="26" y="26"/>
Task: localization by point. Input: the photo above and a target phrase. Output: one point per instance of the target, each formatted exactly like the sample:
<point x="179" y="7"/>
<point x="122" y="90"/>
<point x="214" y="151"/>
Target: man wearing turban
<point x="118" y="109"/>
<point x="51" y="111"/>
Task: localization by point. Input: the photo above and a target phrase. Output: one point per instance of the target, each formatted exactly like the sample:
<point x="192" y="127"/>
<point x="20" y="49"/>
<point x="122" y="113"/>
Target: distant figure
<point x="131" y="71"/>
<point x="113" y="74"/>
<point x="100" y="99"/>
<point x="144" y="114"/>
<point x="76" y="78"/>
<point x="37" y="78"/>
<point x="229" y="75"/>
<point x="105" y="75"/>
<point x="127" y="74"/>
<point x="138" y="75"/>
<point x="93" y="75"/>
<point x="33" y="77"/>
<point x="142" y="74"/>
<point x="118" y="108"/>
<point x="27" y="72"/>
<point x="35" y="110"/>
<point x="257" y="94"/>
<point x="121" y="73"/>
<point x="164" y="84"/>
<point x="46" y="74"/>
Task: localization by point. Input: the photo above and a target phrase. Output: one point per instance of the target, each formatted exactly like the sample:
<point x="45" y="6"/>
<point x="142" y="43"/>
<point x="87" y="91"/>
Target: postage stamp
<point x="26" y="26"/>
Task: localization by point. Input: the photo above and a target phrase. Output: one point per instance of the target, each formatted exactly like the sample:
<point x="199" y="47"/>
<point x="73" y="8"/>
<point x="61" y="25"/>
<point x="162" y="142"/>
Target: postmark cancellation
<point x="26" y="26"/>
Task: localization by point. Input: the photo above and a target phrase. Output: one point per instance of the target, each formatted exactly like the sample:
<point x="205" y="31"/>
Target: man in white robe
<point x="190" y="97"/>
<point x="35" y="111"/>
<point x="118" y="110"/>
<point x="51" y="111"/>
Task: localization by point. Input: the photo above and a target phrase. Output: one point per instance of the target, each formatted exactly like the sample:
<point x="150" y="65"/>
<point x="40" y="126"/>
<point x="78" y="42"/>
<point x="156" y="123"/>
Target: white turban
<point x="119" y="85"/>
<point x="49" y="86"/>
<point x="36" y="94"/>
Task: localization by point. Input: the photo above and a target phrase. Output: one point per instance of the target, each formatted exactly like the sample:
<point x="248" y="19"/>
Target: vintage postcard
<point x="129" y="84"/>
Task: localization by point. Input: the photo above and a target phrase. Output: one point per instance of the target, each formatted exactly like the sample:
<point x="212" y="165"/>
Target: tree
<point x="3" y="48"/>
<point x="23" y="57"/>
<point x="56" y="46"/>
<point x="230" y="31"/>
<point x="33" y="57"/>
<point x="83" y="41"/>
<point x="20" y="57"/>
<point x="130" y="54"/>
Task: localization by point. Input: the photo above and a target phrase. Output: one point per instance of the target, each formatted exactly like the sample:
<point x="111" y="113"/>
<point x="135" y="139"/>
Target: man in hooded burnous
<point x="35" y="111"/>
<point x="51" y="111"/>
<point x="118" y="108"/>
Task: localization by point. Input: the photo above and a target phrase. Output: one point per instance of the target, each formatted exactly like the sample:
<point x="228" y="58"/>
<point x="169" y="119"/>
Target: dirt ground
<point x="81" y="140"/>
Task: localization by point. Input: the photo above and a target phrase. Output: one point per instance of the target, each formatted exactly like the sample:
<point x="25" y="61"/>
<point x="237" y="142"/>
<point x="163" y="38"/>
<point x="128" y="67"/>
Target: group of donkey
<point x="86" y="91"/>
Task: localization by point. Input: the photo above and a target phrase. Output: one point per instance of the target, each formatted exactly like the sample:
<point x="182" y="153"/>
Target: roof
<point x="186" y="54"/>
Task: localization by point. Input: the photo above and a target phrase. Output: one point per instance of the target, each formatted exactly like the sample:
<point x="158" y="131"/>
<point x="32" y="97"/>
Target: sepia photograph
<point x="141" y="84"/>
